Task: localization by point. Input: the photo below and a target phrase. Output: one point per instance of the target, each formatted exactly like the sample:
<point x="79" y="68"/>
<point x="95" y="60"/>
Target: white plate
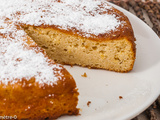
<point x="139" y="88"/>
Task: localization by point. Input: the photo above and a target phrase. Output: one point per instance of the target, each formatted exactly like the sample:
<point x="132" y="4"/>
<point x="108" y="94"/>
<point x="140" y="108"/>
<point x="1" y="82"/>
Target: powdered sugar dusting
<point x="84" y="15"/>
<point x="17" y="61"/>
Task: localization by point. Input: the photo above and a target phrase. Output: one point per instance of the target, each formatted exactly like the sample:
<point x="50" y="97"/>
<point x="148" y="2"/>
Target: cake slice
<point x="87" y="33"/>
<point x="32" y="86"/>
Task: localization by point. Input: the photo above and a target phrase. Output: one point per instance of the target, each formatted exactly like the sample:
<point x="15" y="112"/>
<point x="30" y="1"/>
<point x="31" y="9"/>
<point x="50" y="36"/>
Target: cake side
<point x="32" y="86"/>
<point x="27" y="100"/>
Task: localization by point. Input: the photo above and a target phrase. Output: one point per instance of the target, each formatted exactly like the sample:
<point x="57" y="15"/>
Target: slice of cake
<point x="32" y="86"/>
<point x="87" y="33"/>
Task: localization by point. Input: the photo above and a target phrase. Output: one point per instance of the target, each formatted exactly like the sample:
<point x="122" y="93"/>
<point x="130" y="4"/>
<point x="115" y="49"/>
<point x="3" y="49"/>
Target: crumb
<point x="84" y="75"/>
<point x="71" y="65"/>
<point x="120" y="97"/>
<point x="88" y="103"/>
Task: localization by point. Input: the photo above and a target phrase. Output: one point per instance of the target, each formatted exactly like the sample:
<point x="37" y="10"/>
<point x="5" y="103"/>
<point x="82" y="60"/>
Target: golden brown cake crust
<point x="30" y="101"/>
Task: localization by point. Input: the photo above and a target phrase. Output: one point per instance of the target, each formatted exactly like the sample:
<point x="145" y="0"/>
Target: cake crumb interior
<point x="114" y="55"/>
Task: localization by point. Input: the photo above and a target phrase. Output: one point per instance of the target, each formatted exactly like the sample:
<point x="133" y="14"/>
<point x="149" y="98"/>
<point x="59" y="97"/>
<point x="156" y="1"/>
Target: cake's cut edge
<point x="68" y="48"/>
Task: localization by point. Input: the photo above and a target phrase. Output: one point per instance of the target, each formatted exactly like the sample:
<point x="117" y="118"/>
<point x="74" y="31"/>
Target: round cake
<point x="33" y="33"/>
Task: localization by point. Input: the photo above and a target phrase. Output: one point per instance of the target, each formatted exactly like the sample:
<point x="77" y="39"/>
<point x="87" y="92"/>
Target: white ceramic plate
<point x="139" y="88"/>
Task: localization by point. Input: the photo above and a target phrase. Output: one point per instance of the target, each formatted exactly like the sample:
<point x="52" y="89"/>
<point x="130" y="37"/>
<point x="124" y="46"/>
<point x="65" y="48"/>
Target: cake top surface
<point x="87" y="16"/>
<point x="19" y="60"/>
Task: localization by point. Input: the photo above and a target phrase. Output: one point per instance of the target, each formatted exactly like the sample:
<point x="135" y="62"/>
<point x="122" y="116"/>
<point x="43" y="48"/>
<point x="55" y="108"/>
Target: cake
<point x="33" y="33"/>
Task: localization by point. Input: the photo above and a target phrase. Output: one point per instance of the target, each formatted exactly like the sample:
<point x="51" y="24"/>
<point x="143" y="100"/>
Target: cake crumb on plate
<point x="88" y="103"/>
<point x="84" y="75"/>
